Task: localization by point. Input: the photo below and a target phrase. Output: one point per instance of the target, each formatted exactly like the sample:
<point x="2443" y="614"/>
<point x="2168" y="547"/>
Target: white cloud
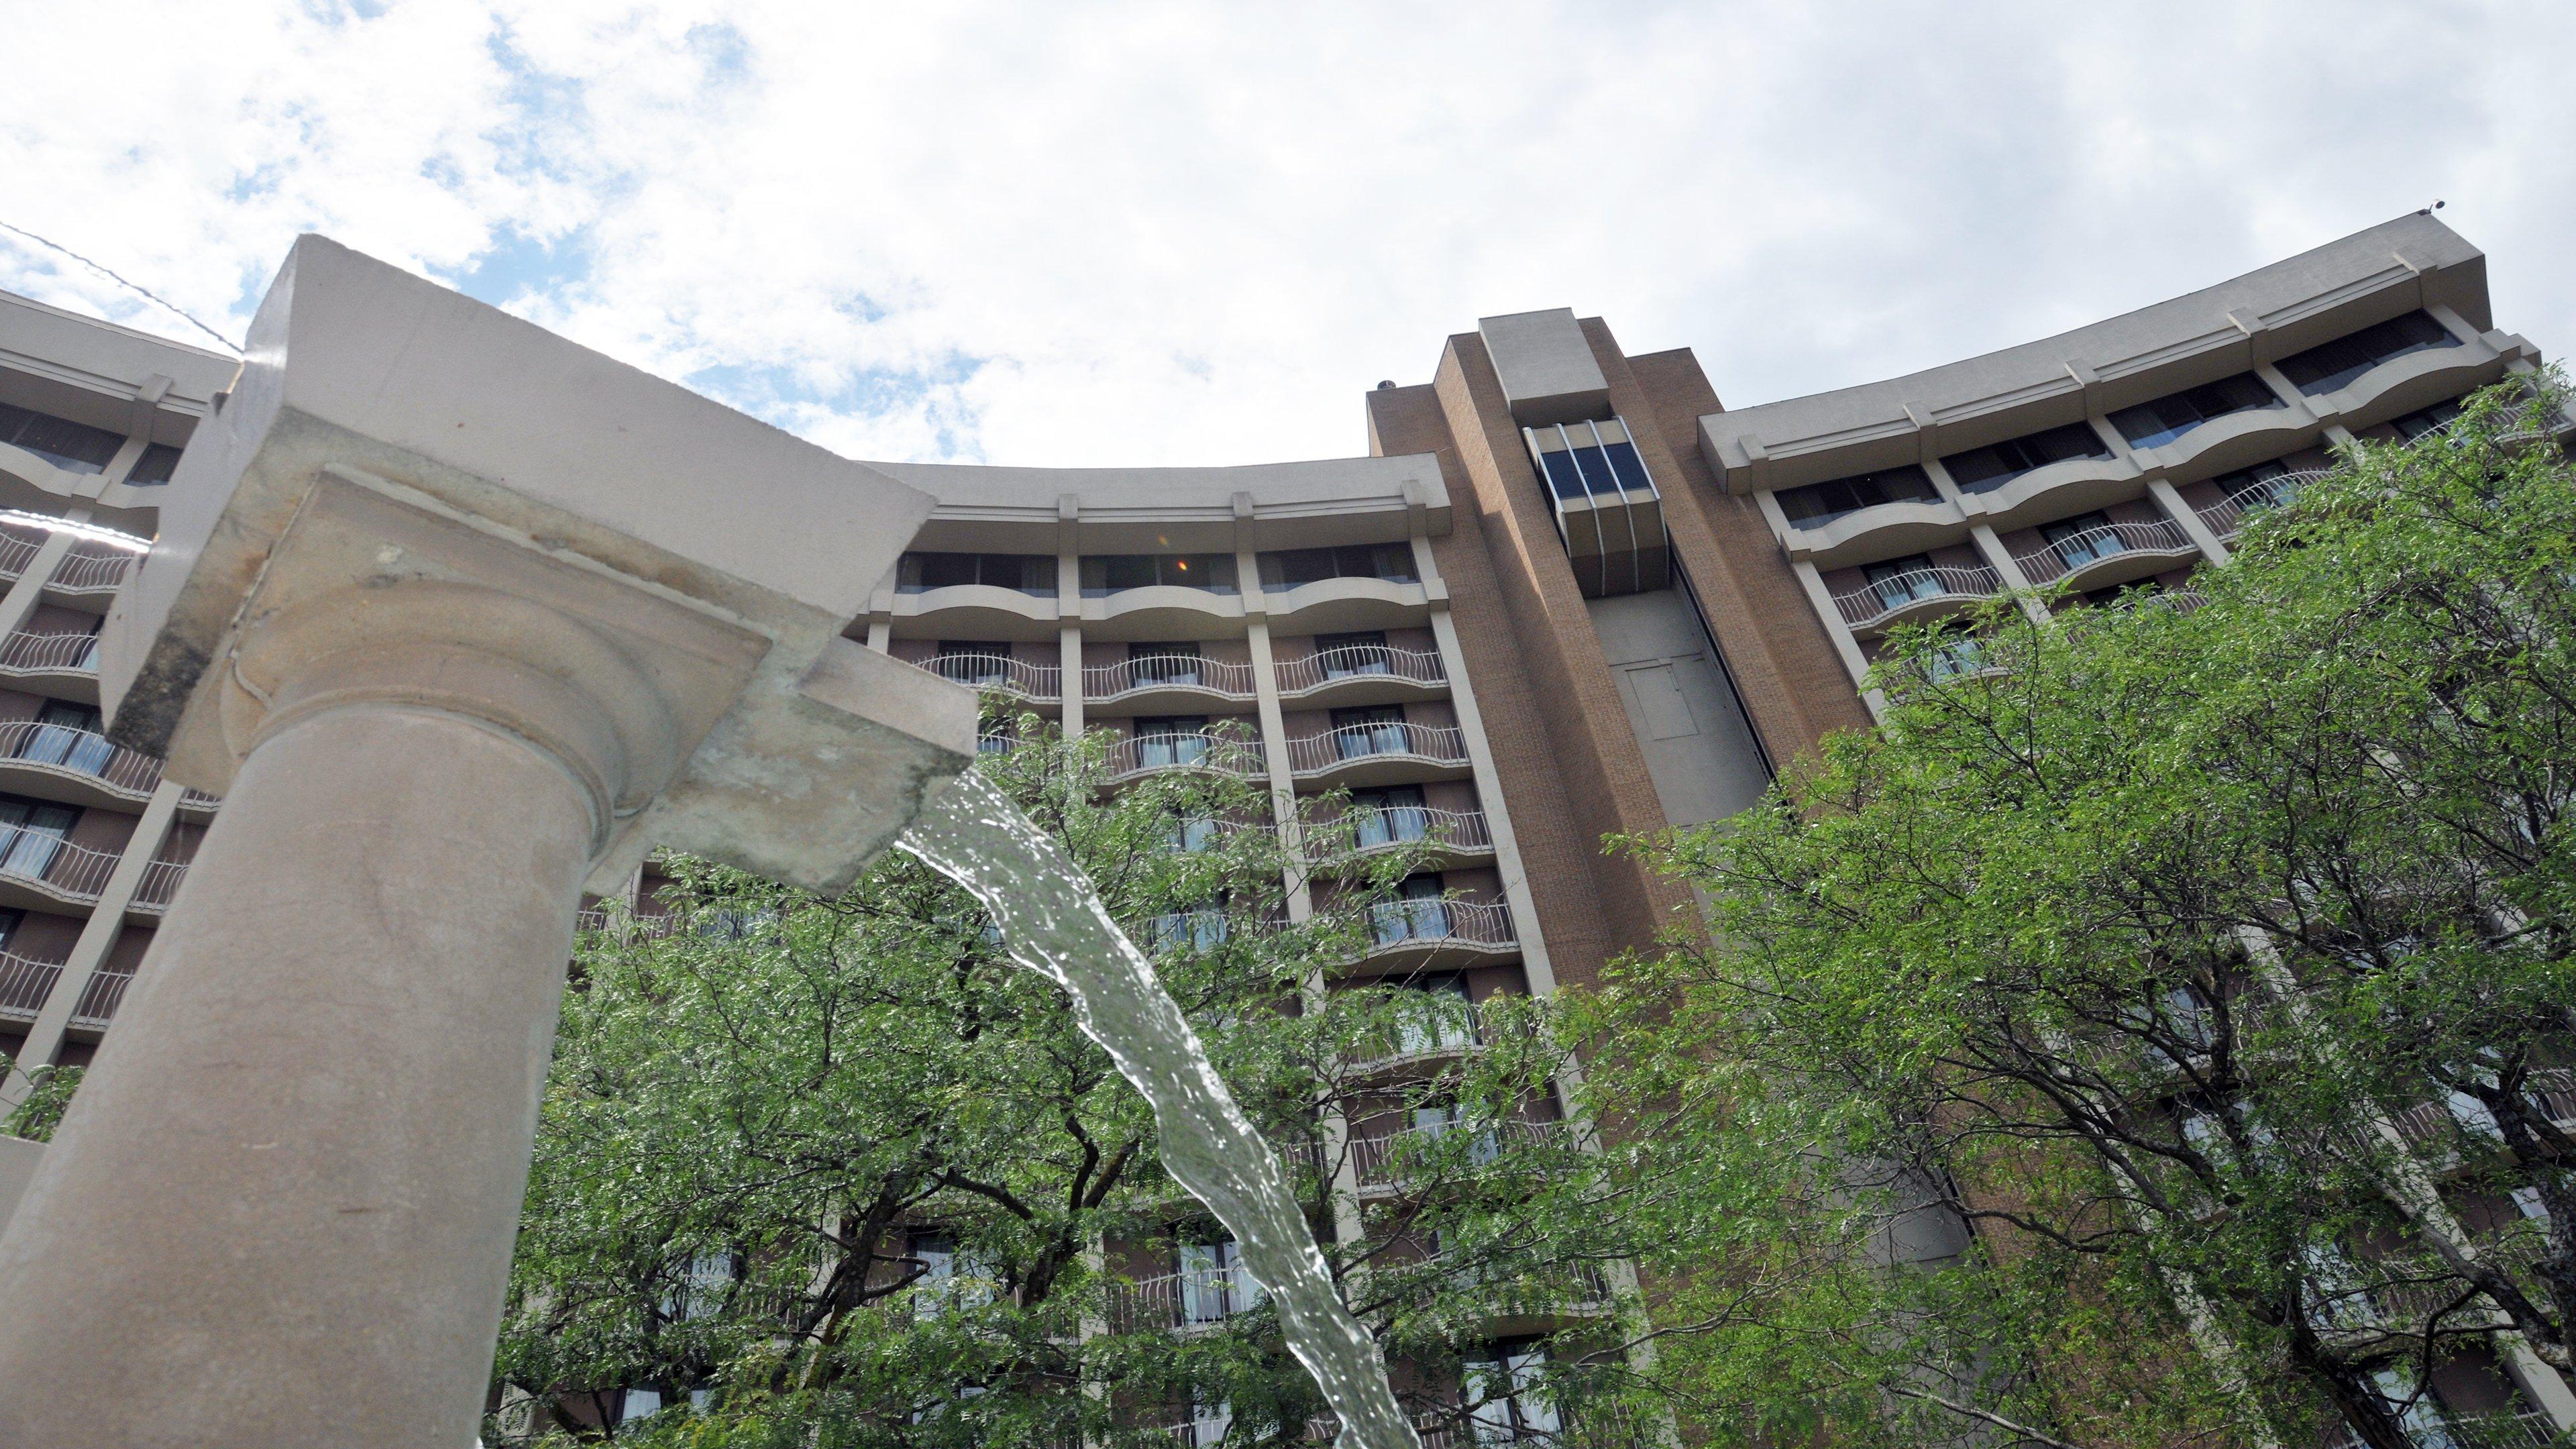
<point x="1162" y="233"/>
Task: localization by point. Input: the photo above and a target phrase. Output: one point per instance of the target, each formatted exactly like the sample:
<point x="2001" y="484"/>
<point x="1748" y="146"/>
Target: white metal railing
<point x="2082" y="550"/>
<point x="2434" y="1125"/>
<point x="1379" y="1158"/>
<point x="2519" y="1428"/>
<point x="1391" y="827"/>
<point x="1181" y="1299"/>
<point x="1474" y="923"/>
<point x="16" y="553"/>
<point x="25" y="983"/>
<point x="81" y="572"/>
<point x="1315" y="754"/>
<point x="50" y="653"/>
<point x="1188" y="750"/>
<point x="2226" y="517"/>
<point x="101" y="997"/>
<point x="1360" y="661"/>
<point x="1879" y="598"/>
<point x="65" y="750"/>
<point x="53" y="865"/>
<point x="1228" y="677"/>
<point x="1001" y="672"/>
<point x="160" y="882"/>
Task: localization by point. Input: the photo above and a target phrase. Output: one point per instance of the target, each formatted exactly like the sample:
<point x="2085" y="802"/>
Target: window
<point x="1981" y="470"/>
<point x="1027" y="573"/>
<point x="1190" y="834"/>
<point x="1507" y="1396"/>
<point x="2260" y="486"/>
<point x="1171" y="740"/>
<point x="1957" y="658"/>
<point x="1436" y="1015"/>
<point x="70" y="446"/>
<point x="154" y="468"/>
<point x="1596" y="459"/>
<point x="701" y="1289"/>
<point x="2429" y="420"/>
<point x="1821" y="502"/>
<point x="949" y="1278"/>
<point x="67" y="734"/>
<point x="967" y="661"/>
<point x="1215" y="1284"/>
<point x="1395" y="815"/>
<point x="1209" y="1423"/>
<point x="1345" y="655"/>
<point x="1419" y="912"/>
<point x="2324" y="368"/>
<point x="1165" y="664"/>
<point x="1372" y="729"/>
<point x="31" y="834"/>
<point x="2154" y="424"/>
<point x="11" y="920"/>
<point x="1104" y="574"/>
<point x="1901" y="581"/>
<point x="2082" y="539"/>
<point x="1200" y="930"/>
<point x="1288" y="568"/>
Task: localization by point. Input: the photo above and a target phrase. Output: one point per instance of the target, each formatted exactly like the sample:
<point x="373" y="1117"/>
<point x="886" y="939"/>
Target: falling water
<point x="1057" y="927"/>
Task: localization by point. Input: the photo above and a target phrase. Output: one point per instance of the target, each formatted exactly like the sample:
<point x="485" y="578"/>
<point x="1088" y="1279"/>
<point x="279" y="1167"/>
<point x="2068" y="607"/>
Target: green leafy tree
<point x="2191" y="979"/>
<point x="834" y="1172"/>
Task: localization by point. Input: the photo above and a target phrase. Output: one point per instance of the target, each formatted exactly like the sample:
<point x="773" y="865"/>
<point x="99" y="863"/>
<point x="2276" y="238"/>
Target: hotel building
<point x="1565" y="594"/>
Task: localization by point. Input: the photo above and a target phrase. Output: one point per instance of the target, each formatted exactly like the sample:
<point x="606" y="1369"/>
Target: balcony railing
<point x="1876" y="600"/>
<point x="25" y="983"/>
<point x="1181" y="1299"/>
<point x="85" y="572"/>
<point x="1188" y="750"/>
<point x="1360" y="661"/>
<point x="1230" y="678"/>
<point x="100" y="999"/>
<point x="24" y="653"/>
<point x="999" y="672"/>
<point x="1380" y="1159"/>
<point x="1393" y="827"/>
<point x="1316" y="754"/>
<point x="16" y="553"/>
<point x="2435" y="1125"/>
<point x="2226" y="517"/>
<point x="2511" y="1429"/>
<point x="1392" y="924"/>
<point x="64" y="750"/>
<point x="2079" y="551"/>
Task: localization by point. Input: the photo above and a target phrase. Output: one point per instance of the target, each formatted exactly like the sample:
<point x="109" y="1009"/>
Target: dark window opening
<point x="1287" y="568"/>
<point x="1027" y="573"/>
<point x="1104" y="574"/>
<point x="1980" y="470"/>
<point x="2323" y="368"/>
<point x="1819" y="502"/>
<point x="70" y="446"/>
<point x="2153" y="424"/>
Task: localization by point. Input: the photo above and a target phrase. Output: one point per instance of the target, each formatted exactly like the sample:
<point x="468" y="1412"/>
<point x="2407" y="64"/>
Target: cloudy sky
<point x="1062" y="233"/>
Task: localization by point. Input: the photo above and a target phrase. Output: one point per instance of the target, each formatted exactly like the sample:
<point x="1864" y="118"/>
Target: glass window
<point x="2433" y="419"/>
<point x="1104" y="574"/>
<point x="1215" y="1283"/>
<point x="2324" y="368"/>
<point x="2264" y="485"/>
<point x="1901" y="581"/>
<point x="973" y="661"/>
<point x="1344" y="655"/>
<point x="1373" y="729"/>
<point x="2154" y="424"/>
<point x="67" y="734"/>
<point x="2082" y="539"/>
<point x="1171" y="739"/>
<point x="31" y="834"/>
<point x="1391" y="816"/>
<point x="1173" y="663"/>
<point x="1819" y="502"/>
<point x="1980" y="470"/>
<point x="1027" y="573"/>
<point x="1436" y="1015"/>
<point x="155" y="466"/>
<point x="70" y="446"/>
<point x="1506" y="1389"/>
<point x="949" y="1278"/>
<point x="1288" y="568"/>
<point x="1420" y="911"/>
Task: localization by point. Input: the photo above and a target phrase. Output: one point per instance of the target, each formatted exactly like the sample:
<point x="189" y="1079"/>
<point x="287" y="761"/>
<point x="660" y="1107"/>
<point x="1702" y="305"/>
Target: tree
<point x="2206" y="957"/>
<point x="838" y="1174"/>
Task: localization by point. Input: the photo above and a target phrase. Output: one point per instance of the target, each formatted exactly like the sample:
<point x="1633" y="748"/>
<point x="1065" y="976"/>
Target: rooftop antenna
<point x="2429" y="210"/>
<point x="135" y="287"/>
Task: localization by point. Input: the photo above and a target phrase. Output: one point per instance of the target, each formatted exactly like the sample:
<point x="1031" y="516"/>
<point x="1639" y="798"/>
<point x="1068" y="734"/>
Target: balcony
<point x="2512" y="1429"/>
<point x="16" y="553"/>
<point x="2226" y="518"/>
<point x="1384" y="1160"/>
<point x="1380" y="752"/>
<point x="1361" y="674"/>
<point x="1915" y="594"/>
<point x="1190" y="1298"/>
<point x="2108" y="553"/>
<point x="68" y="662"/>
<point x="46" y="871"/>
<point x="100" y="999"/>
<point x="1418" y="933"/>
<point x="24" y="985"/>
<point x="1223" y="754"/>
<point x="1001" y="674"/>
<point x="2436" y="1126"/>
<point x="83" y="573"/>
<point x="1177" y="680"/>
<point x="74" y="766"/>
<point x="1437" y="832"/>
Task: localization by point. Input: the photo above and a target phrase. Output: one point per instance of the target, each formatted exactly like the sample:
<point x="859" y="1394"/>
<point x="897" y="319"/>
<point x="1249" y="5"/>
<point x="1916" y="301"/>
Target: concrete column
<point x="1846" y="644"/>
<point x="28" y="589"/>
<point x="1068" y="641"/>
<point x="371" y="949"/>
<point x="1991" y="547"/>
<point x="98" y="937"/>
<point x="2171" y="501"/>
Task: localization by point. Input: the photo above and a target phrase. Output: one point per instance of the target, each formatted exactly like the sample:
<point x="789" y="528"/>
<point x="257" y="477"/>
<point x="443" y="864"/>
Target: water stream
<point x="1057" y="926"/>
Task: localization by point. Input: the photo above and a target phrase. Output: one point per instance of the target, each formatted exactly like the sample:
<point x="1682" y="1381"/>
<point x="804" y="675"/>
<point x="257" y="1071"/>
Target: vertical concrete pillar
<point x="2187" y="518"/>
<point x="371" y="948"/>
